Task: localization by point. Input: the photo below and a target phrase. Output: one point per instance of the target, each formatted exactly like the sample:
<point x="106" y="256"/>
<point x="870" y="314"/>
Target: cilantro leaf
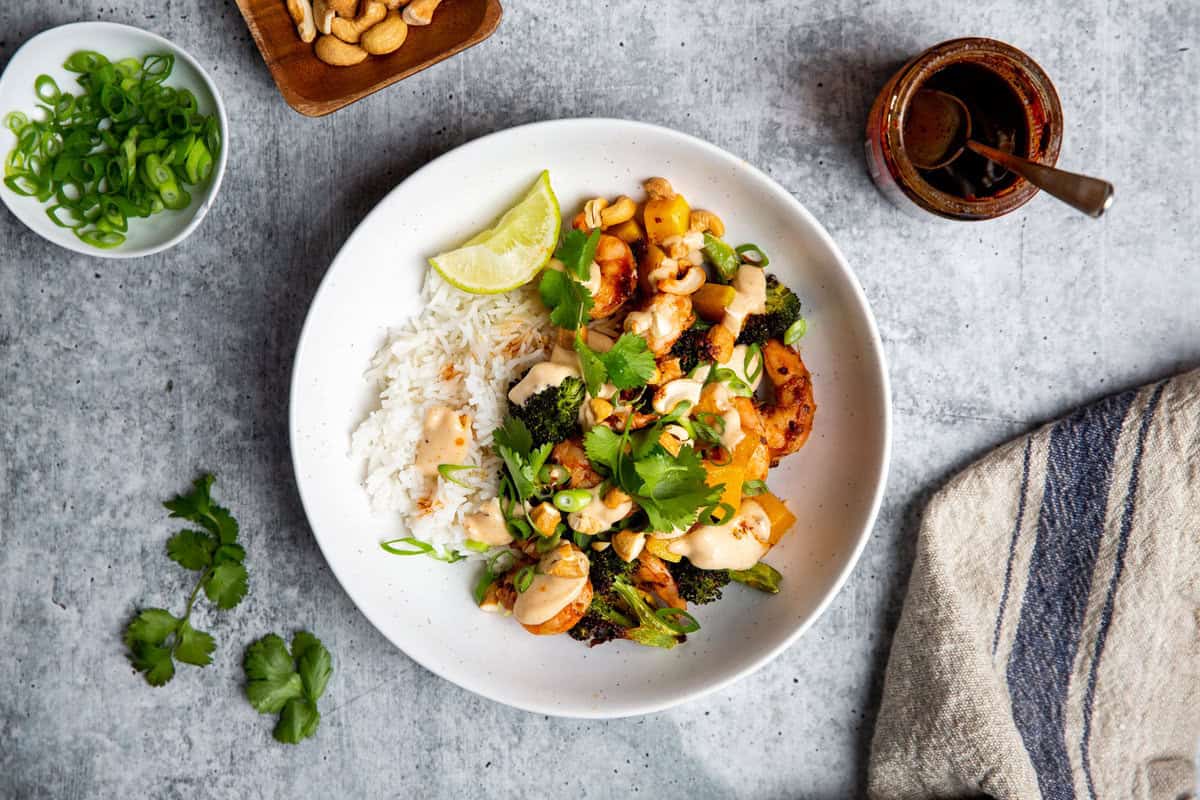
<point x="595" y="373"/>
<point x="198" y="507"/>
<point x="268" y="659"/>
<point x="226" y="585"/>
<point x="674" y="490"/>
<point x="155" y="637"/>
<point x="629" y="362"/>
<point x="193" y="646"/>
<point x="191" y="549"/>
<point x="514" y="435"/>
<point x="151" y="625"/>
<point x="269" y="697"/>
<point x="680" y="511"/>
<point x="314" y="664"/>
<point x="577" y="252"/>
<point x="298" y="721"/>
<point x="229" y="554"/>
<point x="154" y="661"/>
<point x="519" y="469"/>
<point x="569" y="300"/>
<point x="602" y="445"/>
<point x="288" y="683"/>
<point x="663" y="476"/>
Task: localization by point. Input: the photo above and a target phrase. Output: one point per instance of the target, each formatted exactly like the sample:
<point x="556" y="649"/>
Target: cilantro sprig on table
<point x="288" y="683"/>
<point x="670" y="489"/>
<point x="156" y="638"/>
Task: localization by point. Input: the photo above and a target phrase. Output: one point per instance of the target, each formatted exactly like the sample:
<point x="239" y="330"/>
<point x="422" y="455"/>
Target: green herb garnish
<point x="415" y="547"/>
<point x="627" y="365"/>
<point x="123" y="148"/>
<point x="155" y="637"/>
<point x="447" y="471"/>
<point x="288" y="684"/>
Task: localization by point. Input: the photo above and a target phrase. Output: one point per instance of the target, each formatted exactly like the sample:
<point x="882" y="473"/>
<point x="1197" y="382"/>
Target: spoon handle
<point x="1090" y="195"/>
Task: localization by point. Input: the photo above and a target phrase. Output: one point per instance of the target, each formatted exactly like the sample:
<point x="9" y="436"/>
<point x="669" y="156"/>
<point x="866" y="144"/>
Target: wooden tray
<point x="314" y="88"/>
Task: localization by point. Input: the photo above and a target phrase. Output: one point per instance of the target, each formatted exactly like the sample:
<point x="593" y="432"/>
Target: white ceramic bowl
<point x="45" y="54"/>
<point x="834" y="485"/>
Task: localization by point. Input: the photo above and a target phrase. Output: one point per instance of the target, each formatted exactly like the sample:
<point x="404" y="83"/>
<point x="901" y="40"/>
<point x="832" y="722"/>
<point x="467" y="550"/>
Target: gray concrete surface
<point x="120" y="381"/>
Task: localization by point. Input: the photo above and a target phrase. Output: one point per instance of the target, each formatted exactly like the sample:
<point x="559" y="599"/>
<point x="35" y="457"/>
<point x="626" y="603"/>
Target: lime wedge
<point x="511" y="252"/>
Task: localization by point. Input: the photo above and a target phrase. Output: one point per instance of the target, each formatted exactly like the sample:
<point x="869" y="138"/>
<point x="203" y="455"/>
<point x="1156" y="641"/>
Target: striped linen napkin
<point x="1049" y="646"/>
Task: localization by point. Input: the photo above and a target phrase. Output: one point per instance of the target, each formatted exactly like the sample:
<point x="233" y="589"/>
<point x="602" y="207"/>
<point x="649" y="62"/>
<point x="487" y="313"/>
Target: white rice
<point x="462" y="351"/>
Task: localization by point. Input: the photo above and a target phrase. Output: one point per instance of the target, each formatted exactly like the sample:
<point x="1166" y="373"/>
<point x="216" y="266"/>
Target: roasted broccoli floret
<point x="692" y="348"/>
<point x="607" y="566"/>
<point x="552" y="414"/>
<point x="618" y="610"/>
<point x="698" y="585"/>
<point x="783" y="309"/>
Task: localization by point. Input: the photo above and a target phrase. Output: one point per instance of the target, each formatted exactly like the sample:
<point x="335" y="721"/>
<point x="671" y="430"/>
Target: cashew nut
<point x="701" y="221"/>
<point x="628" y="544"/>
<point x="344" y="8"/>
<point x="351" y="30"/>
<point x="323" y="15"/>
<point x="620" y="211"/>
<point x="659" y="189"/>
<point x="688" y="283"/>
<point x="420" y="12"/>
<point x="392" y="5"/>
<point x="301" y="12"/>
<point x="592" y="210"/>
<point x="336" y="53"/>
<point x="387" y="36"/>
<point x="545" y="518"/>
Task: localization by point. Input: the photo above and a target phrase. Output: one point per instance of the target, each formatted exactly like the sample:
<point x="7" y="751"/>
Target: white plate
<point x="44" y="54"/>
<point x="834" y="484"/>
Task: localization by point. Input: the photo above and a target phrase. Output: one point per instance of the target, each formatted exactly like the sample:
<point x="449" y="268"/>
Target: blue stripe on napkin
<point x="1070" y="525"/>
<point x="1012" y="545"/>
<point x="1110" y="599"/>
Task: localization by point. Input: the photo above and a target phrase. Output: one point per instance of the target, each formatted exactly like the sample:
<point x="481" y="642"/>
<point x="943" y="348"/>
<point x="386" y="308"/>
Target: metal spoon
<point x="945" y="125"/>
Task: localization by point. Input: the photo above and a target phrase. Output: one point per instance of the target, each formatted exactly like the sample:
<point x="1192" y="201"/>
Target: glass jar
<point x="1039" y="140"/>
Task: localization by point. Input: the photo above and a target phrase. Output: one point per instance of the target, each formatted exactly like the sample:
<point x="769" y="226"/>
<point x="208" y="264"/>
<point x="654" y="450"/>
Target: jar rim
<point x="1036" y="92"/>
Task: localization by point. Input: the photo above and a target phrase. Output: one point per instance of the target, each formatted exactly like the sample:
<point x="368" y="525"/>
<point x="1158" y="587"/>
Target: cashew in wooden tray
<point x="350" y="30"/>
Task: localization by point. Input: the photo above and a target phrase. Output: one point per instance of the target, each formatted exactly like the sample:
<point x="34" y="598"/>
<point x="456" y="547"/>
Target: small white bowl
<point x="44" y="54"/>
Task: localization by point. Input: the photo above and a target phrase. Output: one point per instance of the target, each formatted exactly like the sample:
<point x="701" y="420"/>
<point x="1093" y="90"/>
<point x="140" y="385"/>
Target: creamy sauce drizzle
<point x="750" y="287"/>
<point x="672" y="393"/>
<point x="549" y="594"/>
<point x="738" y="544"/>
<point x="487" y="524"/>
<point x="445" y="437"/>
<point x="541" y="376"/>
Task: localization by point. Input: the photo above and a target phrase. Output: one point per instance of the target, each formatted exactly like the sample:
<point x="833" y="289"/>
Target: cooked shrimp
<point x="569" y="453"/>
<point x="752" y="427"/>
<point x="661" y="320"/>
<point x="787" y="419"/>
<point x="566" y="619"/>
<point x="653" y="576"/>
<point x="617" y="279"/>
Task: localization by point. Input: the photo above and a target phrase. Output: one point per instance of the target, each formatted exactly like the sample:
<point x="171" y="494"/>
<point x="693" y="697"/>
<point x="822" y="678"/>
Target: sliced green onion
<point x="547" y="543"/>
<point x="477" y="546"/>
<point x="85" y="61"/>
<point x="753" y="356"/>
<point x="754" y="488"/>
<point x="570" y="500"/>
<point x="419" y="548"/>
<point x="709" y="515"/>
<point x="752" y="254"/>
<point x="519" y="528"/>
<point x="447" y="472"/>
<point x="87" y="151"/>
<point x="722" y="257"/>
<point x="46" y="89"/>
<point x="524" y="578"/>
<point x="678" y="412"/>
<point x="795" y="331"/>
<point x="677" y="620"/>
<point x="581" y="539"/>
